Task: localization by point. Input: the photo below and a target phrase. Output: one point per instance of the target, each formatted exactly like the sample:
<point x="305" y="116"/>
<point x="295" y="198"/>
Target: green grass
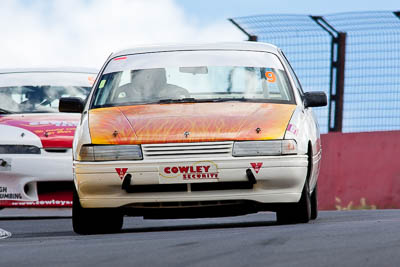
<point x="351" y="206"/>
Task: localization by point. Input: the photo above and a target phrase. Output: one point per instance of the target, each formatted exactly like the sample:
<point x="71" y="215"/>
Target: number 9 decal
<point x="270" y="76"/>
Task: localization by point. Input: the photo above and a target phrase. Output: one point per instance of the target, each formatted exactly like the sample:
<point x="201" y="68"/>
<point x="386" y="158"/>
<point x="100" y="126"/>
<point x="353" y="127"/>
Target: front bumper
<point x="280" y="179"/>
<point x="19" y="174"/>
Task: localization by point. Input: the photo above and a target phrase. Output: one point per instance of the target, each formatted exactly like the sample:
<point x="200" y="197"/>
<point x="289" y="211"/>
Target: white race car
<point x="187" y="131"/>
<point x="35" y="139"/>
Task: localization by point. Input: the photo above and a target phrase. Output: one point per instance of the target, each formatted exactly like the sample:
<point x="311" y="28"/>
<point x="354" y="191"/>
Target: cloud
<point x="85" y="32"/>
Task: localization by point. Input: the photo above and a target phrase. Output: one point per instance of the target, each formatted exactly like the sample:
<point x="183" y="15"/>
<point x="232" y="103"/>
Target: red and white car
<point x="36" y="139"/>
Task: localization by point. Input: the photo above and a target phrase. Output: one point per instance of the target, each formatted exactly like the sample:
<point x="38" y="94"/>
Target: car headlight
<point x="110" y="152"/>
<point x="264" y="148"/>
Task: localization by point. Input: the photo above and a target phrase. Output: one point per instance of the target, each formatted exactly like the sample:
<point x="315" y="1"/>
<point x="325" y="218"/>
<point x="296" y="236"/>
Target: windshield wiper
<point x="5" y="111"/>
<point x="226" y="99"/>
<point x="201" y="100"/>
<point x="179" y="100"/>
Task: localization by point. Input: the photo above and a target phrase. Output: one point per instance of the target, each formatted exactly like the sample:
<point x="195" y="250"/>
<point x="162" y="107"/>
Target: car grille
<point x="156" y="188"/>
<point x="187" y="150"/>
<point x="19" y="149"/>
<point x="186" y="204"/>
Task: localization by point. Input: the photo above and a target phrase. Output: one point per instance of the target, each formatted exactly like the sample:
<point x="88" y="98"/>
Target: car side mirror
<point x="315" y="99"/>
<point x="71" y="105"/>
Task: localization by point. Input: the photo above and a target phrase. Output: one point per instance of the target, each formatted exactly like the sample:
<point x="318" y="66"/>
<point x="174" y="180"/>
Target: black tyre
<point x="314" y="203"/>
<point x="298" y="212"/>
<point x="94" y="221"/>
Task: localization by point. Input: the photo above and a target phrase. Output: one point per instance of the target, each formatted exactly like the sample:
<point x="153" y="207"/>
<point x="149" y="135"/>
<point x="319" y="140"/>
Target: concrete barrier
<point x="360" y="170"/>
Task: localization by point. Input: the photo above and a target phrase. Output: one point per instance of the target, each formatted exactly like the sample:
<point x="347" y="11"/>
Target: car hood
<point x="55" y="130"/>
<point x="202" y="122"/>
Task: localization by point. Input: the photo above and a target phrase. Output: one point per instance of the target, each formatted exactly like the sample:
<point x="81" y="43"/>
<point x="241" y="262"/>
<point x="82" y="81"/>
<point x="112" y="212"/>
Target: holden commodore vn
<point x="187" y="131"/>
<point x="35" y="139"/>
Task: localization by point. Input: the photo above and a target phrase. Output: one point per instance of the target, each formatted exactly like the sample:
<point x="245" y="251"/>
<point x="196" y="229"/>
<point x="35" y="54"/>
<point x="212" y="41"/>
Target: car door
<point x="310" y="125"/>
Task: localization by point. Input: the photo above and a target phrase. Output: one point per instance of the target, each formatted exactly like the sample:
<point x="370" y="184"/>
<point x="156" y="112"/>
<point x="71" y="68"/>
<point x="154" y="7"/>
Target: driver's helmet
<point x="34" y="94"/>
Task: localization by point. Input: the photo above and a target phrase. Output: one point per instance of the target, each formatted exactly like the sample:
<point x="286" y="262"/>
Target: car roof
<point x="50" y="69"/>
<point x="243" y="46"/>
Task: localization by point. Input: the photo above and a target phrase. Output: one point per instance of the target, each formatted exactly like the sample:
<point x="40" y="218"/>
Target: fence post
<point x="251" y="37"/>
<point x="336" y="85"/>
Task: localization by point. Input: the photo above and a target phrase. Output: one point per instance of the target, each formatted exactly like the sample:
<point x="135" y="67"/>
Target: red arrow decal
<point x="121" y="172"/>
<point x="256" y="166"/>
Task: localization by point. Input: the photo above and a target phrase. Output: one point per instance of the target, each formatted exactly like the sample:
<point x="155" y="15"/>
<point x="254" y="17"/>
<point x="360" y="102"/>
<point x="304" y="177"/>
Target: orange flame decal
<point x="206" y="122"/>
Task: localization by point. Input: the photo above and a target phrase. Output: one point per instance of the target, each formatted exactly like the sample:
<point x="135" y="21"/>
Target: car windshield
<point x="193" y="76"/>
<point x="39" y="92"/>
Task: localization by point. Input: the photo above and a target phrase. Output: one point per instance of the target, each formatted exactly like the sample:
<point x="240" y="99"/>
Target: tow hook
<point x="251" y="177"/>
<point x="127" y="182"/>
<point x="3" y="163"/>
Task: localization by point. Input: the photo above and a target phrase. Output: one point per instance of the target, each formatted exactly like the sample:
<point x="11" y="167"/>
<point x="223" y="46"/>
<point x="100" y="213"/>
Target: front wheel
<point x="298" y="212"/>
<point x="94" y="220"/>
<point x="314" y="203"/>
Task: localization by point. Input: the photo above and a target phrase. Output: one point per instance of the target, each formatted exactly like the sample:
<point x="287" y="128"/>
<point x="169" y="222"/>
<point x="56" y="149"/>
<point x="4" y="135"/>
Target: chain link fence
<point x="371" y="100"/>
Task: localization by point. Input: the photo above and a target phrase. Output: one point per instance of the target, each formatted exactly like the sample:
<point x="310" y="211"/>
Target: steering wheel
<point x="174" y="92"/>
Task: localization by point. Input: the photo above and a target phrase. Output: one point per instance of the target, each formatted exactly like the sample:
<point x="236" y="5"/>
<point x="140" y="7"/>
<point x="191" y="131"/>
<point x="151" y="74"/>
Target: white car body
<point x="278" y="178"/>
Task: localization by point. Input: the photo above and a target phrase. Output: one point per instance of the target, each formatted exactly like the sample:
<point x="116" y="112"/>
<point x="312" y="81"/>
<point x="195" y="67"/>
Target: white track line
<point x="4" y="234"/>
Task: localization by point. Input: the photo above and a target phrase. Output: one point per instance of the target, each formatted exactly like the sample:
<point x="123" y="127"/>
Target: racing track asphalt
<point x="336" y="238"/>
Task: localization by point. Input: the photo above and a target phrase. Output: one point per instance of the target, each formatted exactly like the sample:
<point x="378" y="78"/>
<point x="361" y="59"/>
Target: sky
<point x="84" y="32"/>
<point x="224" y="9"/>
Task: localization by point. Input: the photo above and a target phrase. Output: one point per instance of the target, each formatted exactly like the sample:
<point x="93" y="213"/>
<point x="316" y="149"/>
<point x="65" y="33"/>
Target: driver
<point x="34" y="95"/>
<point x="149" y="85"/>
<point x="36" y="98"/>
<point x="149" y="82"/>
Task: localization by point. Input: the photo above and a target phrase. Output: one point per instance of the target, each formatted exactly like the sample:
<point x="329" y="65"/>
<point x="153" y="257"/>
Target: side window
<point x="293" y="74"/>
